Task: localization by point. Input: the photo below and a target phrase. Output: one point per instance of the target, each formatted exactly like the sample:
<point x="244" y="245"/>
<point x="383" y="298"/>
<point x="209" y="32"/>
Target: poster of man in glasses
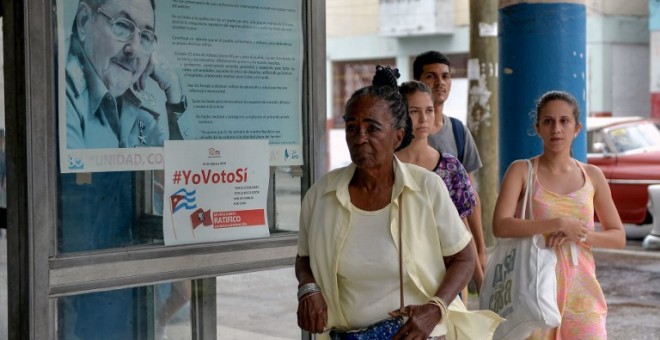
<point x="128" y="72"/>
<point x="110" y="58"/>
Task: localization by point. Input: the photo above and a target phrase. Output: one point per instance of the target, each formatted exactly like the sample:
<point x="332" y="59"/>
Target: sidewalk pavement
<point x="262" y="304"/>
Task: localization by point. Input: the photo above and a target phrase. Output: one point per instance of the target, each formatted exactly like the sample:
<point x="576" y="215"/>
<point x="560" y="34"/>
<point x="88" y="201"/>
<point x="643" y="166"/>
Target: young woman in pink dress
<point x="565" y="195"/>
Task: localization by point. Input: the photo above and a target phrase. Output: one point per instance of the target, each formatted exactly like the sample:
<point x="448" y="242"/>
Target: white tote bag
<point x="520" y="283"/>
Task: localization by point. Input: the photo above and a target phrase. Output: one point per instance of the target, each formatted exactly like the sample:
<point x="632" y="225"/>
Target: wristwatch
<point x="179" y="107"/>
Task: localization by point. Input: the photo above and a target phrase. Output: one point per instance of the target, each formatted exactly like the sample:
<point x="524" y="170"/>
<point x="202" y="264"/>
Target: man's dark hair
<point x="94" y="4"/>
<point x="426" y="58"/>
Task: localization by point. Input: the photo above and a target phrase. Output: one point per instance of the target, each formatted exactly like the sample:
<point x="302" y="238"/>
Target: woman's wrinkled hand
<point x="312" y="313"/>
<point x="422" y="319"/>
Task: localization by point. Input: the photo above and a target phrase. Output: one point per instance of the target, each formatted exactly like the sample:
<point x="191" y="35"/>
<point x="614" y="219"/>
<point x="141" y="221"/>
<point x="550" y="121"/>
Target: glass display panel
<point x="253" y="305"/>
<point x="112" y="126"/>
<point x="172" y="310"/>
<point x="287" y="199"/>
<point x="151" y="312"/>
<point x="106" y="210"/>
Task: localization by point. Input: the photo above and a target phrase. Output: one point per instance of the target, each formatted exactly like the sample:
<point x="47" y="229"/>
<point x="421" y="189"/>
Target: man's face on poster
<point x="118" y="63"/>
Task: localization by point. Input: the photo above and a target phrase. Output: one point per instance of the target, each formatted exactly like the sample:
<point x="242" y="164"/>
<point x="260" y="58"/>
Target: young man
<point x="451" y="135"/>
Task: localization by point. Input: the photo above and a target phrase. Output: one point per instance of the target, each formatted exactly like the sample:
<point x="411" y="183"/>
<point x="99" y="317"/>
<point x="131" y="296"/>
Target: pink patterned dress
<point x="579" y="296"/>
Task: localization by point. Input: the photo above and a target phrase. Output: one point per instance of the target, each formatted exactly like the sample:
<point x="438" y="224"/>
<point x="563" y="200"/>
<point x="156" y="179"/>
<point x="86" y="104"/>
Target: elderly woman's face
<point x="370" y="133"/>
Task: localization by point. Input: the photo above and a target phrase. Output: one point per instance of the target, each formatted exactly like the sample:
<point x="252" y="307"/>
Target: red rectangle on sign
<point x="239" y="218"/>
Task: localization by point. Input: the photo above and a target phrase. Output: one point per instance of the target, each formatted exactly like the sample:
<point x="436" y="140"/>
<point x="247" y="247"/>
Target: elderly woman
<point x="351" y="221"/>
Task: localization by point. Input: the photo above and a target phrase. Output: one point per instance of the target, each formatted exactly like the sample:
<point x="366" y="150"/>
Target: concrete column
<point x="600" y="83"/>
<point x="542" y="46"/>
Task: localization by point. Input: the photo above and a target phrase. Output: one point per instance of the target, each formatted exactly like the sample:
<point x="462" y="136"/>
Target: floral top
<point x="456" y="179"/>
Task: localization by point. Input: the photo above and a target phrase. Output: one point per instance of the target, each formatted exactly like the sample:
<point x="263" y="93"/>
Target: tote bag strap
<point x="528" y="192"/>
<point x="400" y="254"/>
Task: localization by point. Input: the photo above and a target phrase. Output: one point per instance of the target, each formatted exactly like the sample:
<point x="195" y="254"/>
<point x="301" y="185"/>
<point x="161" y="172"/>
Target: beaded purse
<point x="383" y="329"/>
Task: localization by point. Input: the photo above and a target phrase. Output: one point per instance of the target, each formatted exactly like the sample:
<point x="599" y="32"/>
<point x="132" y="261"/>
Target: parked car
<point x="627" y="149"/>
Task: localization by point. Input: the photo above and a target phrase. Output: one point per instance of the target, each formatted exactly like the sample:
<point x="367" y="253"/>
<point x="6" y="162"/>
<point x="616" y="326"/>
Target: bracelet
<point x="440" y="303"/>
<point x="308" y="296"/>
<point x="308" y="288"/>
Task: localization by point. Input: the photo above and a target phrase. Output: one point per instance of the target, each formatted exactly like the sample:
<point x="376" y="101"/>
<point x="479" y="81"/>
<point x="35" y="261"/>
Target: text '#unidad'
<point x="137" y="159"/>
<point x="188" y="177"/>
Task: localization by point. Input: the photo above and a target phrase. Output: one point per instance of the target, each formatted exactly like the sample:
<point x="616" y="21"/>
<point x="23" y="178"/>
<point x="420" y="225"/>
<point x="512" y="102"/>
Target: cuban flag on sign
<point x="183" y="199"/>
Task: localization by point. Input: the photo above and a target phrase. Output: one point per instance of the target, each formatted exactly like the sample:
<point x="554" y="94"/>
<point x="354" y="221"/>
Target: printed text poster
<point x="237" y="64"/>
<point x="215" y="191"/>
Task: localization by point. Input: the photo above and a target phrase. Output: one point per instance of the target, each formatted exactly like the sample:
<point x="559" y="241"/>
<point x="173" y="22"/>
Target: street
<point x="631" y="282"/>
